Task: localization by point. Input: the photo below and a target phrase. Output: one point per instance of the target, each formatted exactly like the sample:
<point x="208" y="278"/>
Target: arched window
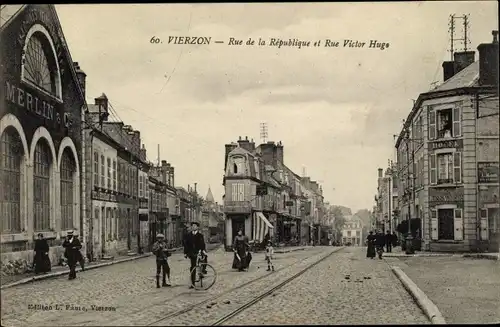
<point x="39" y="66"/>
<point x="11" y="153"/>
<point x="41" y="186"/>
<point x="68" y="169"/>
<point x="235" y="168"/>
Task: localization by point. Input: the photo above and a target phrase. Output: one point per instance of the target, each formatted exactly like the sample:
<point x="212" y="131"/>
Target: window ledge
<point x="46" y="235"/>
<point x="447" y="241"/>
<point x="15" y="237"/>
<point x="446" y="185"/>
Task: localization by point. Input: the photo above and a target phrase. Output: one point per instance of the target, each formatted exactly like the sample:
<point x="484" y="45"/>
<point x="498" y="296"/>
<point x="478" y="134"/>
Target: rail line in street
<point x="240" y="308"/>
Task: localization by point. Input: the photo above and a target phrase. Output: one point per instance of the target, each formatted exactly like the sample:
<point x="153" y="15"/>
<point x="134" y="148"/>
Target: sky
<point x="335" y="109"/>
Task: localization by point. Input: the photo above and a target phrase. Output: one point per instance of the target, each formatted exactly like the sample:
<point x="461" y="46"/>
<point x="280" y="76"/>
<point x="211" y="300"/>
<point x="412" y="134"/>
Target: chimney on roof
<point x="102" y="103"/>
<point x="246" y="144"/>
<point x="229" y="148"/>
<point x="80" y="74"/>
<point x="488" y="61"/>
<point x="380" y="172"/>
<point x="448" y="70"/>
<point x="463" y="59"/>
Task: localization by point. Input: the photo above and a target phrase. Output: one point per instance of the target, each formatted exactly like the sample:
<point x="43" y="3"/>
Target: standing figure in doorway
<point x="72" y="253"/>
<point x="41" y="260"/>
<point x="394" y="239"/>
<point x="240" y="248"/>
<point x="194" y="243"/>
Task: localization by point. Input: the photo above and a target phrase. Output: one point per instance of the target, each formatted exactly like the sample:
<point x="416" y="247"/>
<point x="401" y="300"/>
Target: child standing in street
<point x="269" y="256"/>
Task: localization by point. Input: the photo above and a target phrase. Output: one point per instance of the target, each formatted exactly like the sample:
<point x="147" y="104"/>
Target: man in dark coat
<point x="380" y="242"/>
<point x="72" y="252"/>
<point x="194" y="243"/>
<point x="388" y="242"/>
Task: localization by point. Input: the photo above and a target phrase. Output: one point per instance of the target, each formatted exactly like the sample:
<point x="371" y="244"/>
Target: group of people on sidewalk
<point x="72" y="247"/>
<point x="376" y="243"/>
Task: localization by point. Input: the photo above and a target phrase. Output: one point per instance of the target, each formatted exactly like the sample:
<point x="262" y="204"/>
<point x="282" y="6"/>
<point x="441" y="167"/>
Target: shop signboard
<point x="445" y="196"/>
<point x="487" y="172"/>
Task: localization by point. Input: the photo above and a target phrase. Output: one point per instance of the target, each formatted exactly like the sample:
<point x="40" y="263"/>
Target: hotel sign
<point x="487" y="172"/>
<point x="453" y="144"/>
<point x="445" y="195"/>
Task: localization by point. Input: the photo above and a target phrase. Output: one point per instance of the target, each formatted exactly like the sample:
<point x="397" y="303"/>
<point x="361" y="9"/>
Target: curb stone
<point x="430" y="309"/>
<point x="489" y="256"/>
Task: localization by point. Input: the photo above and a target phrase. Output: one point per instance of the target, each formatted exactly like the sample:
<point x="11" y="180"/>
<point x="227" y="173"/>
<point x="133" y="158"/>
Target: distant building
<point x="352" y="232"/>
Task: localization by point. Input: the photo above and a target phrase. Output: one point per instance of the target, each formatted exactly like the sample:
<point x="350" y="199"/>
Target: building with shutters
<point x="41" y="111"/>
<point x="448" y="156"/>
<point x="291" y="212"/>
<point x="352" y="232"/>
<point x="113" y="160"/>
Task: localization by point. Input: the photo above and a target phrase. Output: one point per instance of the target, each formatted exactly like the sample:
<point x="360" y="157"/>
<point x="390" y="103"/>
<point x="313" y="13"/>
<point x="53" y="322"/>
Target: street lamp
<point x="409" y="238"/>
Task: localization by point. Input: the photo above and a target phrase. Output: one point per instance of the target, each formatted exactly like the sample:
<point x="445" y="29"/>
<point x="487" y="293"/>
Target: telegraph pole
<point x="465" y="38"/>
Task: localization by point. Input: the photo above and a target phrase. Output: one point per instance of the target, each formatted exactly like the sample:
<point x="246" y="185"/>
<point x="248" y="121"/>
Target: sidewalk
<point x="14" y="280"/>
<point x="465" y="291"/>
<point x="397" y="253"/>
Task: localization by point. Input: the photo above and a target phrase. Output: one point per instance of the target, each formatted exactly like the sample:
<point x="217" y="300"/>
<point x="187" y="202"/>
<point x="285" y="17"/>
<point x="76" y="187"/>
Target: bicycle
<point x="205" y="274"/>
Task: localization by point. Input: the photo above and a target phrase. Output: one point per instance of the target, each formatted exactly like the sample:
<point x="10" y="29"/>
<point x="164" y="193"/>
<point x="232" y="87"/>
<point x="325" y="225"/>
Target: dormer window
<point x="235" y="168"/>
<point x="238" y="168"/>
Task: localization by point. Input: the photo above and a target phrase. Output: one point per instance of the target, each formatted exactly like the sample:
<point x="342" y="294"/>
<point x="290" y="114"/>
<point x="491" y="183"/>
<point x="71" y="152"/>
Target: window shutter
<point x="432" y="170"/>
<point x="458" y="225"/>
<point x="434" y="225"/>
<point x="483" y="214"/>
<point x="457" y="169"/>
<point x="241" y="193"/>
<point x="457" y="121"/>
<point x="234" y="192"/>
<point x="432" y="124"/>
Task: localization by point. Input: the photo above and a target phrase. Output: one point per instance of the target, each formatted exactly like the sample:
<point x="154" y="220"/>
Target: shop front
<point x="40" y="135"/>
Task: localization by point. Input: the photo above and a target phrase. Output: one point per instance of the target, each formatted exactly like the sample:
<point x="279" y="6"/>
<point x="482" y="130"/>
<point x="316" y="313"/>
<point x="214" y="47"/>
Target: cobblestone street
<point x="466" y="291"/>
<point x="128" y="289"/>
<point x="323" y="295"/>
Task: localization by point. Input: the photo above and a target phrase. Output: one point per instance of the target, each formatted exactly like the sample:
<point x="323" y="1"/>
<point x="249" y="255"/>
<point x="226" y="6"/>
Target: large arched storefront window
<point x="11" y="154"/>
<point x="41" y="186"/>
<point x="68" y="169"/>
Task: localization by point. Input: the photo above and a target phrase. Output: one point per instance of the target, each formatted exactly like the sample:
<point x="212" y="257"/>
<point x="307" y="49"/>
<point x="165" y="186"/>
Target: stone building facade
<point x="448" y="156"/>
<point x="40" y="133"/>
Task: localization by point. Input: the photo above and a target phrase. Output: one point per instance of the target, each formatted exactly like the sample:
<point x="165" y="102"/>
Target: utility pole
<point x="158" y="155"/>
<point x="465" y="38"/>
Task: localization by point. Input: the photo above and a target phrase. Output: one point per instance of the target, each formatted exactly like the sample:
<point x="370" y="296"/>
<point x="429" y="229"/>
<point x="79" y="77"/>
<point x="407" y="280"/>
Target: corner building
<point x="40" y="132"/>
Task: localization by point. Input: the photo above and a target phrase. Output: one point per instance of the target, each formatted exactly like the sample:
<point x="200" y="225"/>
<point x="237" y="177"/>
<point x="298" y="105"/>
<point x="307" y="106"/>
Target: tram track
<point x="262" y="295"/>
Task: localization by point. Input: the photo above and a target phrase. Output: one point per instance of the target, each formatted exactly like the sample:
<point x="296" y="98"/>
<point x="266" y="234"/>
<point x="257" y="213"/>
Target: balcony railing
<point x="238" y="206"/>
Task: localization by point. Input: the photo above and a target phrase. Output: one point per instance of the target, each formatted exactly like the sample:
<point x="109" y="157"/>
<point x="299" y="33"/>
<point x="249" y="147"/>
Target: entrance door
<point x="446" y="224"/>
<point x="237" y="224"/>
<point x="152" y="234"/>
<point x="494" y="229"/>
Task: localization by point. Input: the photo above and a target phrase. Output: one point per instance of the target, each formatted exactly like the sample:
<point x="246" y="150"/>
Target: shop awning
<point x="261" y="226"/>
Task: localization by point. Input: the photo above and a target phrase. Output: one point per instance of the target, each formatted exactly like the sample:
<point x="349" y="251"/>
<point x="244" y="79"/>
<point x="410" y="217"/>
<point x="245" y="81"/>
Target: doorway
<point x="237" y="224"/>
<point x="494" y="229"/>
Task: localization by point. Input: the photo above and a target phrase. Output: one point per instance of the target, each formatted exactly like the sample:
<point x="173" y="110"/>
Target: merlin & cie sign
<point x="445" y="196"/>
<point x="453" y="144"/>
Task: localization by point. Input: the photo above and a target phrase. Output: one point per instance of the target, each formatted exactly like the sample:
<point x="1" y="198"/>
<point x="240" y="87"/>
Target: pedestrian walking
<point x="380" y="242"/>
<point x="81" y="258"/>
<point x="72" y="253"/>
<point x="370" y="243"/>
<point x="388" y="242"/>
<point x="240" y="248"/>
<point x="160" y="250"/>
<point x="194" y="243"/>
<point x="394" y="239"/>
<point x="269" y="256"/>
<point x="41" y="260"/>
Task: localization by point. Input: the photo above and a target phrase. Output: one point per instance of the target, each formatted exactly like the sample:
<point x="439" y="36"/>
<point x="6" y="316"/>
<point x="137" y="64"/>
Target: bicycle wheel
<point x="204" y="279"/>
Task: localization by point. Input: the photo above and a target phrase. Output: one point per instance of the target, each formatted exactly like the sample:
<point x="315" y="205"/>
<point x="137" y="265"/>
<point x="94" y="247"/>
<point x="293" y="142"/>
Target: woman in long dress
<point x="240" y="248"/>
<point x="370" y="242"/>
<point x="41" y="260"/>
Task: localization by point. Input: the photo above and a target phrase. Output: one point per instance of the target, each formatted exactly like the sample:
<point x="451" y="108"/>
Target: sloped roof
<point x="467" y="77"/>
<point x="239" y="150"/>
<point x="7" y="12"/>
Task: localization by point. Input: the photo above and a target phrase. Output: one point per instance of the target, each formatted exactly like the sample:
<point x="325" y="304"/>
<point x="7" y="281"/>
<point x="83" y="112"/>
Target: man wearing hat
<point x="194" y="243"/>
<point x="160" y="249"/>
<point x="72" y="253"/>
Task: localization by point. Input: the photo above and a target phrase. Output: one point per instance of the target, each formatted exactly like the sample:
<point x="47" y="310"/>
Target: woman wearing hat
<point x="160" y="250"/>
<point x="41" y="260"/>
<point x="240" y="248"/>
